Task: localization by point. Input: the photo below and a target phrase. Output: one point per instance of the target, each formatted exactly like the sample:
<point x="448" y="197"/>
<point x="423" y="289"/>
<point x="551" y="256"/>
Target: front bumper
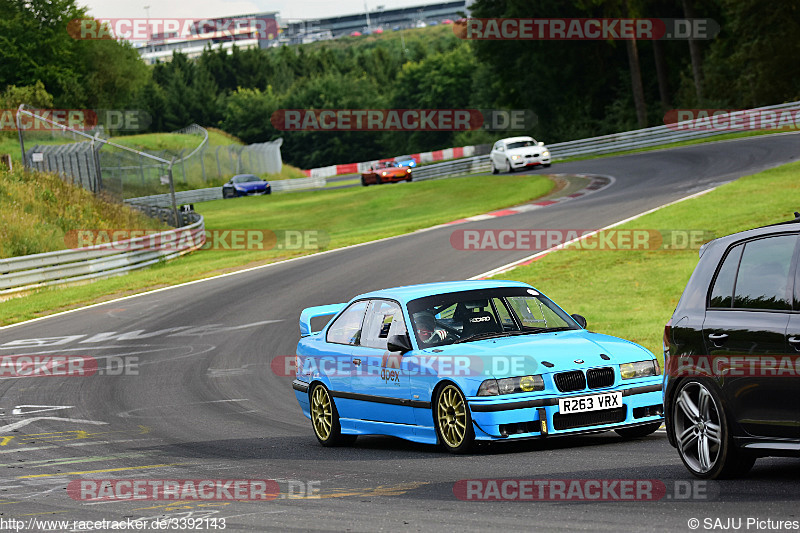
<point x="521" y="163"/>
<point x="501" y="418"/>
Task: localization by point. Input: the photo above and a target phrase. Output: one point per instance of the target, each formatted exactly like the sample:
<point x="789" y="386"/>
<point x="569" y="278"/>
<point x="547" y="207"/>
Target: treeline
<point x="577" y="88"/>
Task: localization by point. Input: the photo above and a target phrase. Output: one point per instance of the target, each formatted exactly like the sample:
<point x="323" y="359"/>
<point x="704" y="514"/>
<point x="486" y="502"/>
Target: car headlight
<point x="383" y="173"/>
<point x="639" y="369"/>
<point x="515" y="157"/>
<point x="546" y="153"/>
<point x="493" y="387"/>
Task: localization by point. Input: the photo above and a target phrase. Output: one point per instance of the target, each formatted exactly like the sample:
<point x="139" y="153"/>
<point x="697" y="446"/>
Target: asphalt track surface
<point x="204" y="403"/>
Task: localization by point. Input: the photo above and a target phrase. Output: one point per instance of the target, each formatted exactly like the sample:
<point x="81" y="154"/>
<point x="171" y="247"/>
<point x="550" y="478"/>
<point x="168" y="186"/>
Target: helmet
<point x="425" y="325"/>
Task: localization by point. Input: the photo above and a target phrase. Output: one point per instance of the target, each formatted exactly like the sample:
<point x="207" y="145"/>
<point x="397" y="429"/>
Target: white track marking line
<point x="22" y="423"/>
<point x="514" y="264"/>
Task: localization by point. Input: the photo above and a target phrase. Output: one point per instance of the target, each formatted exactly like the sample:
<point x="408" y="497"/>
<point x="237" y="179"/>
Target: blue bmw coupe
<point x="456" y="362"/>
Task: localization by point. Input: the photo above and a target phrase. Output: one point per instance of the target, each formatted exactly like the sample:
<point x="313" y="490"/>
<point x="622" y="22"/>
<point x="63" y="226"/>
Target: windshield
<point x="473" y="315"/>
<point x="246" y="178"/>
<point x="520" y="144"/>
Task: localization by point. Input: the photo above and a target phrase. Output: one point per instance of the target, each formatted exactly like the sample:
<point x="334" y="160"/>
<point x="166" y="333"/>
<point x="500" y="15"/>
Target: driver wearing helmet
<point x="427" y="332"/>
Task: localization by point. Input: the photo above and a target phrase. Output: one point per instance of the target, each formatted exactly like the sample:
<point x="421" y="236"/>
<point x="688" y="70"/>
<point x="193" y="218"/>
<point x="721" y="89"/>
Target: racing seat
<point x="479" y="322"/>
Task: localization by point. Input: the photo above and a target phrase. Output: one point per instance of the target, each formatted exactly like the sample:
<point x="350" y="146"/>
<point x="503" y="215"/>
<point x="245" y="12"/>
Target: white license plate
<point x="595" y="402"/>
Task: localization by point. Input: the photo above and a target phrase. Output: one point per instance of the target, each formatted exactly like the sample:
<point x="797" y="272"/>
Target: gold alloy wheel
<point x="322" y="413"/>
<point x="451" y="414"/>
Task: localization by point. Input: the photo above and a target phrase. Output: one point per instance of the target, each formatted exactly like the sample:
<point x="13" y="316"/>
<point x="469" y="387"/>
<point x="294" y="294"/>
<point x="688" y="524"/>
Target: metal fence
<point x="101" y="261"/>
<point x="87" y="151"/>
<point x="89" y="160"/>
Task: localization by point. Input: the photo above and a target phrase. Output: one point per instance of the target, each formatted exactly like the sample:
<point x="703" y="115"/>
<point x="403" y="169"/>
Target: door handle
<point x="357" y="362"/>
<point x="717" y="339"/>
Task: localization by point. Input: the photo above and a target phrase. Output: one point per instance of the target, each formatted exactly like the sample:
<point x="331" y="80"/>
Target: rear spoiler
<point x="314" y="312"/>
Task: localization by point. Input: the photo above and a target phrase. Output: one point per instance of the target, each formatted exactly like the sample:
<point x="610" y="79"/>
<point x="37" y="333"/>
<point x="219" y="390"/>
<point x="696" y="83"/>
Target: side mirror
<point x="580" y="319"/>
<point x="398" y="343"/>
<point x="541" y="143"/>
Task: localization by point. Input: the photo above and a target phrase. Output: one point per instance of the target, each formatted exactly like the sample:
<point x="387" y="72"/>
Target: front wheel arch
<point x="468" y="441"/>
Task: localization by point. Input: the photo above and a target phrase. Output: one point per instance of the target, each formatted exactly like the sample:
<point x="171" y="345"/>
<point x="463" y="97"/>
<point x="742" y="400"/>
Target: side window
<point x="384" y="318"/>
<point x="347" y="328"/>
<point x="763" y="277"/>
<point x="722" y="291"/>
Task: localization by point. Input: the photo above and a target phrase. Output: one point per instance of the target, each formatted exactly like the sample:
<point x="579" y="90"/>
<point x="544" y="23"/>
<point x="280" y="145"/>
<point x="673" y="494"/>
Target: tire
<point x="452" y="420"/>
<point x="508" y="167"/>
<point x="702" y="433"/>
<point x="546" y="165"/>
<point x="364" y="182"/>
<point x="325" y="418"/>
<point x="494" y="168"/>
<point x="638" y="431"/>
<point x="408" y="179"/>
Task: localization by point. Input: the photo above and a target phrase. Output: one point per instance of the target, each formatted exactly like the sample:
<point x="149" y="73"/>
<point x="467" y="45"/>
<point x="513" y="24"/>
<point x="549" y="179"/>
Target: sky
<point x="288" y="9"/>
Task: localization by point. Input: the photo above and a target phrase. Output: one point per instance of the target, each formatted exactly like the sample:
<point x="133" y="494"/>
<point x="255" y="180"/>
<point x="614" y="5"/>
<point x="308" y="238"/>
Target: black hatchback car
<point x="732" y="354"/>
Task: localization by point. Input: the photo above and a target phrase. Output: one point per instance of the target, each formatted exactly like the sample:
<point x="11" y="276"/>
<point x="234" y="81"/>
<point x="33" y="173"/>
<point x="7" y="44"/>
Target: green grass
<point x="341" y="217"/>
<point x="632" y="294"/>
<point x="39" y="210"/>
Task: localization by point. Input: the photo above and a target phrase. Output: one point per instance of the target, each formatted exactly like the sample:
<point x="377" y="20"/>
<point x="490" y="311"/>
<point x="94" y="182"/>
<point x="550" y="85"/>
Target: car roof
<point x="515" y="139"/>
<point x="778" y="227"/>
<point x="412" y="292"/>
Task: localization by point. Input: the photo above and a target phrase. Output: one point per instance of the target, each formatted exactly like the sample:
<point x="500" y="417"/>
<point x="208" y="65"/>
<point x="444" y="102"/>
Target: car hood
<point x="251" y="185"/>
<point x="526" y="150"/>
<point x="392" y="170"/>
<point x="525" y="355"/>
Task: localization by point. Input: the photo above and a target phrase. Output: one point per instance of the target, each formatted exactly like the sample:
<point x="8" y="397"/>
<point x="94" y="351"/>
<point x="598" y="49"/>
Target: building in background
<point x="258" y="30"/>
<point x="247" y="31"/>
<point x="375" y="21"/>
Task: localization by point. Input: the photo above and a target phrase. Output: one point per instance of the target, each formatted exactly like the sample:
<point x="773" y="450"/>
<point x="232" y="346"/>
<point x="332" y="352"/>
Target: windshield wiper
<point x="547" y="330"/>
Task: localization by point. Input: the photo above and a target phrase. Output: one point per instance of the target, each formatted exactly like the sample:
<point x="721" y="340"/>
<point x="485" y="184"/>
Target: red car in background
<point x="384" y="172"/>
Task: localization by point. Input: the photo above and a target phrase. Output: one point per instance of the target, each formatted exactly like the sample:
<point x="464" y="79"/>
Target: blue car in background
<point x="405" y="161"/>
<point x="245" y="185"/>
<point x="458" y="362"/>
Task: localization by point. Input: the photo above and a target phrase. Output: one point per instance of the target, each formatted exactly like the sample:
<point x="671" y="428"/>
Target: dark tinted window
<point x="346" y="329"/>
<point x="763" y="276"/>
<point x="722" y="292"/>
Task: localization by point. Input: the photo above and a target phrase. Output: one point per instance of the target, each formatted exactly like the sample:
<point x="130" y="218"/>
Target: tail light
<point x="667" y="336"/>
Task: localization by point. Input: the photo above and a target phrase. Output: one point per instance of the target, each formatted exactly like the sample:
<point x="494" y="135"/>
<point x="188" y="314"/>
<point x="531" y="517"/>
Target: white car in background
<point x="514" y="153"/>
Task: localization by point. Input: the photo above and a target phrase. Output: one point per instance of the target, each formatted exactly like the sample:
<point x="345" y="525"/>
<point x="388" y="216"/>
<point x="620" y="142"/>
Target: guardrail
<point x="647" y="137"/>
<point x="458" y="167"/>
<point x="104" y="260"/>
<point x="215" y="193"/>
